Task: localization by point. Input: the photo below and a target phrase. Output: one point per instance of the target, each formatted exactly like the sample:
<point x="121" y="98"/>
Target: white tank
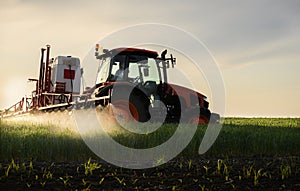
<point x="66" y="75"/>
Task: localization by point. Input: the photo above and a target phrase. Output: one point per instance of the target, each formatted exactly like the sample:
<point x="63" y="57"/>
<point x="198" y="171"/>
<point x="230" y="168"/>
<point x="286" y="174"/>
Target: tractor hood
<point x="189" y="95"/>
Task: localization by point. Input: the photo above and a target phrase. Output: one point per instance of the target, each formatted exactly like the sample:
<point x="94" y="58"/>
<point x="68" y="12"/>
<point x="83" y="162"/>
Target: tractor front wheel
<point x="193" y="116"/>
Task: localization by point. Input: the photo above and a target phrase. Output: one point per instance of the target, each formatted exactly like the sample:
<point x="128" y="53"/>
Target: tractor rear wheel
<point x="125" y="110"/>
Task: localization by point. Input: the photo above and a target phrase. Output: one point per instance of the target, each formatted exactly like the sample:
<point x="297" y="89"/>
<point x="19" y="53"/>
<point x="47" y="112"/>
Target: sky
<point x="255" y="43"/>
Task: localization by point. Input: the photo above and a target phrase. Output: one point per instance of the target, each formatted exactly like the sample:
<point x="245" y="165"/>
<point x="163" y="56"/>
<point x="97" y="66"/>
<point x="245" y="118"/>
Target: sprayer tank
<point x="66" y="75"/>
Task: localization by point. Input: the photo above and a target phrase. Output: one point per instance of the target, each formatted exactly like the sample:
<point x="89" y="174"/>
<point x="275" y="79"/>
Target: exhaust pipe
<point x="41" y="77"/>
<point x="48" y="71"/>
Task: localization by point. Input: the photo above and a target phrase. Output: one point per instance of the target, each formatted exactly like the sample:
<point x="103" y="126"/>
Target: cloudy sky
<point x="256" y="43"/>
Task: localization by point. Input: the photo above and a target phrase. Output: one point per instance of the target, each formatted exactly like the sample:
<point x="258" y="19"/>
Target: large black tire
<point x="137" y="104"/>
<point x="141" y="103"/>
<point x="192" y="116"/>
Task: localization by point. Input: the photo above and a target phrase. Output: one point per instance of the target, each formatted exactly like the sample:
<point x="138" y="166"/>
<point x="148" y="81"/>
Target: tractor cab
<point x="139" y="67"/>
<point x="132" y="65"/>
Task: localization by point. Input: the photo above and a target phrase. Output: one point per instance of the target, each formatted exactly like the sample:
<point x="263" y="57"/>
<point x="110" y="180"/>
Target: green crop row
<point x="238" y="137"/>
<point x="25" y="141"/>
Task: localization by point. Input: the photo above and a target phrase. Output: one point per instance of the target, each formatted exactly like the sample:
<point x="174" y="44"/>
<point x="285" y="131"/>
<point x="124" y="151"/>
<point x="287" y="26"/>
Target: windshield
<point x="103" y="70"/>
<point x="143" y="70"/>
<point x="131" y="68"/>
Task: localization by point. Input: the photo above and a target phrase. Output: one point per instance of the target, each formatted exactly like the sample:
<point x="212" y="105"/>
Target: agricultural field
<point x="249" y="154"/>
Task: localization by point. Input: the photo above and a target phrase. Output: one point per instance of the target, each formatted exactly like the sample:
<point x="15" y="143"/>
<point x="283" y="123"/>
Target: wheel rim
<point x="198" y="120"/>
<point x="125" y="111"/>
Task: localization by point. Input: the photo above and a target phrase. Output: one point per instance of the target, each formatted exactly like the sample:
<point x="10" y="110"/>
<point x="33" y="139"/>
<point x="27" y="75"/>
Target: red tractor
<point x="136" y="82"/>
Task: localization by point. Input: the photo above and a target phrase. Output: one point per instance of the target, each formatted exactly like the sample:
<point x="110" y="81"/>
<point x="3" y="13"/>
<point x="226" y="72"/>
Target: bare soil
<point x="255" y="173"/>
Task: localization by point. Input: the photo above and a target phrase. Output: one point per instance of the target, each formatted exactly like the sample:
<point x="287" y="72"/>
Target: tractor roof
<point x="135" y="51"/>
